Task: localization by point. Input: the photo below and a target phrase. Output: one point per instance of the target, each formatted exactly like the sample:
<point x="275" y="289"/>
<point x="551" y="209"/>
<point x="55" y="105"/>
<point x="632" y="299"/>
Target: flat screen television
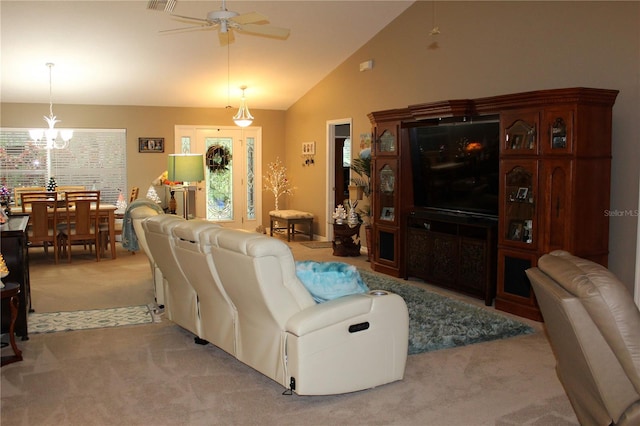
<point x="455" y="166"/>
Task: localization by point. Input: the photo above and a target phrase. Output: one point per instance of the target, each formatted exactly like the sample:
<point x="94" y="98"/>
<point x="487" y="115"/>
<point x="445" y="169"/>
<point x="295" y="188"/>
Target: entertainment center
<point x="468" y="194"/>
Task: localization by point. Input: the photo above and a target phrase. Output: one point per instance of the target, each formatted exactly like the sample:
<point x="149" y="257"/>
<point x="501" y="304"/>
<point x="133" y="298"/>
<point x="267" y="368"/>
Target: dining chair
<point x="134" y="194"/>
<point x="19" y="190"/>
<point x="26" y="198"/>
<point x="65" y="188"/>
<point x="42" y="231"/>
<point x="80" y="222"/>
<point x="119" y="222"/>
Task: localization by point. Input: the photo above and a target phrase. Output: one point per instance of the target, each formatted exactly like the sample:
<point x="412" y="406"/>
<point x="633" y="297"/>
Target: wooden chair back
<point x="43" y="224"/>
<point x="81" y="221"/>
<point x="134" y="194"/>
<point x="66" y="188"/>
<point x="26" y="198"/>
<point x="19" y="190"/>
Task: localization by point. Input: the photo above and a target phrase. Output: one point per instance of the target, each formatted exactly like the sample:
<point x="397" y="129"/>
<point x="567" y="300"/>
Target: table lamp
<point x="185" y="168"/>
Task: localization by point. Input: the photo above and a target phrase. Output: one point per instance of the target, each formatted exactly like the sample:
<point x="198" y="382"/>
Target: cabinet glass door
<point x="520" y="133"/>
<point x="387" y="139"/>
<point x="387" y="182"/>
<point x="519" y="203"/>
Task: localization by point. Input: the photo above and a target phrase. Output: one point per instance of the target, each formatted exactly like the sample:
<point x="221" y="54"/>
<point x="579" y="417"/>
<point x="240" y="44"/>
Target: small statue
<point x="340" y="214"/>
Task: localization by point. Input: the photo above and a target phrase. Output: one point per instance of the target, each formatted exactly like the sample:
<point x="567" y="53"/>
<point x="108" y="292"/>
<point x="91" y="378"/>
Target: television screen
<point x="455" y="166"/>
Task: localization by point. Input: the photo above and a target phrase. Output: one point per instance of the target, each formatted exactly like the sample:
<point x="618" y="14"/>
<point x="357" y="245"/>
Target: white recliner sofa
<point x="239" y="291"/>
<point x="181" y="299"/>
<point x="266" y="318"/>
<point x="138" y="215"/>
<point x="217" y="314"/>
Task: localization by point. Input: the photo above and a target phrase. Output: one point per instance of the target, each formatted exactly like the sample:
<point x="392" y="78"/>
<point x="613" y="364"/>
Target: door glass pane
<point x="185" y="143"/>
<point x="251" y="193"/>
<point x="219" y="182"/>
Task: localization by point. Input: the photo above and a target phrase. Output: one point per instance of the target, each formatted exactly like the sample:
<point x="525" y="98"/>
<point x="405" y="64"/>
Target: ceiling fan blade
<point x="186" y="29"/>
<point x="189" y="18"/>
<point x="249" y="18"/>
<point x="265" y="30"/>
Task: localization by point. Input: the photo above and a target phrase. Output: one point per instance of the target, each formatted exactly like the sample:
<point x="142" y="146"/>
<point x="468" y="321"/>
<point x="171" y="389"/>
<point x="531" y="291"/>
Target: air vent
<point x="162" y="5"/>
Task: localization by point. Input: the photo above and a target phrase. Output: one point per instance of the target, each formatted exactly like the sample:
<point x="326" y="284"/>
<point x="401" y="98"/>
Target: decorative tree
<point x="276" y="180"/>
<point x="52" y="185"/>
<point x="121" y="204"/>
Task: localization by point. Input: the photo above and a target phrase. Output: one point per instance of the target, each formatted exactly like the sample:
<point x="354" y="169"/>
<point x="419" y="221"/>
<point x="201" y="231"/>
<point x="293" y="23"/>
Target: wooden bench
<point x="290" y="218"/>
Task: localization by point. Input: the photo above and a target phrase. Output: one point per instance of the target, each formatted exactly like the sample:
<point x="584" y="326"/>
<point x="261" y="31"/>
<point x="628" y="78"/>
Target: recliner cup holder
<point x="378" y="293"/>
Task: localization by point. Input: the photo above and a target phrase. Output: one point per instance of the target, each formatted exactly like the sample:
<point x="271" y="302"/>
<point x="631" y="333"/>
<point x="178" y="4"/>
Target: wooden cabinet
<point x="13" y="235"/>
<point x="455" y="252"/>
<point x="388" y="194"/>
<point x="556" y="186"/>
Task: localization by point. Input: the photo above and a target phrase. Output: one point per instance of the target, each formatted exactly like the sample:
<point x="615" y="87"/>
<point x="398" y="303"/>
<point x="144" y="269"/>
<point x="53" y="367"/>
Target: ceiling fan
<point x="226" y="20"/>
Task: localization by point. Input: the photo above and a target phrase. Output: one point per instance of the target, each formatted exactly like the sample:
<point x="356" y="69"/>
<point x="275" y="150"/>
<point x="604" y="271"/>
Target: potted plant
<point x="362" y="166"/>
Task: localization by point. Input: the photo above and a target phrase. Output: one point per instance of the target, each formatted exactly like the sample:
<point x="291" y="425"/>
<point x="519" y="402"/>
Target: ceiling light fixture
<point x="50" y="136"/>
<point x="243" y="118"/>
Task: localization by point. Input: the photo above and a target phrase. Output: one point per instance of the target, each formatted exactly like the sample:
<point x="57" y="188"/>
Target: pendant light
<point x="50" y="136"/>
<point x="243" y="118"/>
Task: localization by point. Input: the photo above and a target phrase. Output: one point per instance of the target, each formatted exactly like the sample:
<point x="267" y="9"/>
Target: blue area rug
<point x="51" y="322"/>
<point x="438" y="322"/>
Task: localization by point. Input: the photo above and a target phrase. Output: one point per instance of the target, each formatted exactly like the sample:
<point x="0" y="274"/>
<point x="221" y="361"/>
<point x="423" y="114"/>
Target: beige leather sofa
<point x="180" y="298"/>
<point x="244" y="296"/>
<point x="138" y="215"/>
<point x="593" y="326"/>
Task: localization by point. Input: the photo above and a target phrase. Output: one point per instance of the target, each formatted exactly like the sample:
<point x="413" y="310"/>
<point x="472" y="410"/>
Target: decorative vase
<point x="173" y="206"/>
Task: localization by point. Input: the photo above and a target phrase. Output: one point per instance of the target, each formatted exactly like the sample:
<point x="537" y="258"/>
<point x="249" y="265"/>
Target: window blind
<point x="94" y="158"/>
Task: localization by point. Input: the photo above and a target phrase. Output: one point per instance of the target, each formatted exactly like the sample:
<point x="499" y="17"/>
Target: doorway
<point x="338" y="166"/>
<point x="230" y="193"/>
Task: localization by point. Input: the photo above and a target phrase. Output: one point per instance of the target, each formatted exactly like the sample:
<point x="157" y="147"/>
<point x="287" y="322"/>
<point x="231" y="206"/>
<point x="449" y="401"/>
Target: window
<point x="94" y="158"/>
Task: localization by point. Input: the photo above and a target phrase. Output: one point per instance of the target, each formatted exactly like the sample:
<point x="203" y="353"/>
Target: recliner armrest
<point x="339" y="310"/>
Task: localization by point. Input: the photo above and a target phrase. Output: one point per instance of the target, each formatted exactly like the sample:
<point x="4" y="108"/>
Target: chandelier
<point x="48" y="138"/>
<point x="243" y="118"/>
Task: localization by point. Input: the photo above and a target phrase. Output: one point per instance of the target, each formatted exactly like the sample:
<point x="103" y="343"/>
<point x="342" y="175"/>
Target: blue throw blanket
<point x="330" y="280"/>
<point x="129" y="239"/>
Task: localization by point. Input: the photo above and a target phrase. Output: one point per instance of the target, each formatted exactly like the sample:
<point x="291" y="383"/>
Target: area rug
<point x="51" y="322"/>
<point x="317" y="244"/>
<point x="438" y="322"/>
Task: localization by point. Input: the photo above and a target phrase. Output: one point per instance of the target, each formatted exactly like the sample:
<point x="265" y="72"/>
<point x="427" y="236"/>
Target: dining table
<point x="105" y="211"/>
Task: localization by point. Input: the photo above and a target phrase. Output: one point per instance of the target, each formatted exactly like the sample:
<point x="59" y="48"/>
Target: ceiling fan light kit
<point x="225" y="20"/>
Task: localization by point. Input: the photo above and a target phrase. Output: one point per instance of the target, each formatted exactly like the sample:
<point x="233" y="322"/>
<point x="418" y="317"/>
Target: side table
<point x="10" y="291"/>
<point x="346" y="240"/>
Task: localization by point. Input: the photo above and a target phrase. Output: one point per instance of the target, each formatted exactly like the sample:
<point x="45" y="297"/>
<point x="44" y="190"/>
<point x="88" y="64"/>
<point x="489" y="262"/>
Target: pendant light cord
<point x="50" y="65"/>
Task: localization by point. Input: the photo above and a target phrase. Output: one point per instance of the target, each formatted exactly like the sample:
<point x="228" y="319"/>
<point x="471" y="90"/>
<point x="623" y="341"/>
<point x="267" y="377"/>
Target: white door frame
<point x="331" y="168"/>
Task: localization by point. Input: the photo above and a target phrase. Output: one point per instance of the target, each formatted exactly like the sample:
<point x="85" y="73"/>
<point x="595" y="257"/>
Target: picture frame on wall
<point x="150" y="145"/>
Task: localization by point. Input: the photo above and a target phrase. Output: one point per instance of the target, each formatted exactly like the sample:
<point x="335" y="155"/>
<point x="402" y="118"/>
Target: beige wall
<point x="140" y="121"/>
<point x="486" y="49"/>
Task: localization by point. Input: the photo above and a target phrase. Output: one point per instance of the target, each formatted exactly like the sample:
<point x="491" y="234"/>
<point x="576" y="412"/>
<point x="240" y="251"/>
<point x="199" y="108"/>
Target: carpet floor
<point x="439" y="322"/>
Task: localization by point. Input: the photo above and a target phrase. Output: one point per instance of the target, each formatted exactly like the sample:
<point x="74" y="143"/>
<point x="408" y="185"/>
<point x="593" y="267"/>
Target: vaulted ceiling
<point x="112" y="52"/>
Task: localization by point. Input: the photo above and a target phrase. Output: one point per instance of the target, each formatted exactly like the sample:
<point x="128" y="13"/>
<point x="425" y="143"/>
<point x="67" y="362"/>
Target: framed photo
<point x="387" y="213"/>
<point x="516" y="228"/>
<point x="522" y="193"/>
<point x="150" y="145"/>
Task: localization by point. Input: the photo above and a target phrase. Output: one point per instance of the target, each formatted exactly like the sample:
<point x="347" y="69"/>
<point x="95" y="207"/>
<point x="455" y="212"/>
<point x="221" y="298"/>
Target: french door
<point x="231" y="191"/>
